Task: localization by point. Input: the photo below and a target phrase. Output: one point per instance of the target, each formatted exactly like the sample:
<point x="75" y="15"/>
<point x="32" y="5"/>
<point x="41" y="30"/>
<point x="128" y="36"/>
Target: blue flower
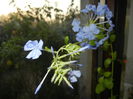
<point x="84" y="11"/>
<point x="109" y="15"/>
<point x="101" y="9"/>
<point x="92" y="28"/>
<point x="90" y="31"/>
<point x="76" y="25"/>
<point x="73" y="75"/>
<point x="75" y="22"/>
<point x="87" y="33"/>
<point x="73" y="79"/>
<point x="76" y="73"/>
<point x="91" y="7"/>
<point x="76" y="28"/>
<point x="35" y="47"/>
<point x="80" y="36"/>
<point x="111" y="26"/>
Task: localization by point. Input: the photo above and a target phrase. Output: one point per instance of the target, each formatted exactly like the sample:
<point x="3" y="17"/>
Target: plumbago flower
<point x="73" y="75"/>
<point x="35" y="47"/>
<point x="93" y="33"/>
<point x="89" y="36"/>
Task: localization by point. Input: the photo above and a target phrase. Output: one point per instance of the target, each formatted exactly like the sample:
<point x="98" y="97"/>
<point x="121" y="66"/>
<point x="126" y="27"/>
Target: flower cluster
<point x="89" y="36"/>
<point x="95" y="31"/>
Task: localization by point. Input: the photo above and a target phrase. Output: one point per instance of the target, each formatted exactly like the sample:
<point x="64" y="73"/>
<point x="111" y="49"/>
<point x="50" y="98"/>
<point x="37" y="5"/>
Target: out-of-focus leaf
<point x="66" y="40"/>
<point x="107" y="62"/>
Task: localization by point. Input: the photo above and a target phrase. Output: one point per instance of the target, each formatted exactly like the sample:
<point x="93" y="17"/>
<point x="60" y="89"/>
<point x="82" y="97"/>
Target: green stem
<point x="112" y="68"/>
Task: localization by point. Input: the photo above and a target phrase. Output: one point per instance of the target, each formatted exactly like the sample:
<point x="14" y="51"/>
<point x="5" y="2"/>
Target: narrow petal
<point x="38" y="88"/>
<point x="84" y="48"/>
<point x="52" y="50"/>
<point x="80" y="65"/>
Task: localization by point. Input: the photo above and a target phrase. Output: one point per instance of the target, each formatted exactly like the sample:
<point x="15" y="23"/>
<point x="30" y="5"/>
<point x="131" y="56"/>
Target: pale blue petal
<point x="109" y="15"/>
<point x="38" y="88"/>
<point x="84" y="10"/>
<point x="52" y="50"/>
<point x="101" y="9"/>
<point x="80" y="65"/>
<point x="34" y="54"/>
<point x="76" y="28"/>
<point x="30" y="45"/>
<point x="76" y="22"/>
<point x="40" y="44"/>
<point x="86" y="29"/>
<point x="84" y="48"/>
<point x="73" y="79"/>
<point x="91" y="7"/>
<point x="77" y="73"/>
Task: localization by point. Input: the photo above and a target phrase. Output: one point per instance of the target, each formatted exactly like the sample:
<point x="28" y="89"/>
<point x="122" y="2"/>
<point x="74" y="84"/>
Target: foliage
<point x="105" y="80"/>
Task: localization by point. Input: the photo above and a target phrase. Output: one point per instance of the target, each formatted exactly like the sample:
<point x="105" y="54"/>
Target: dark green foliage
<point x="105" y="73"/>
<point x="107" y="62"/>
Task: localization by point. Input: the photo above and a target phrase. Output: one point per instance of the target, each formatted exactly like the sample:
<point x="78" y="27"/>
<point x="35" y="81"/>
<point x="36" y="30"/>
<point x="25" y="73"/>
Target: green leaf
<point x="92" y="43"/>
<point x="66" y="40"/>
<point x="99" y="70"/>
<point x="112" y="38"/>
<point x="100" y="36"/>
<point x="114" y="55"/>
<point x="107" y="74"/>
<point x="99" y="88"/>
<point x="108" y="83"/>
<point x="107" y="62"/>
<point x="101" y="80"/>
<point x="106" y="45"/>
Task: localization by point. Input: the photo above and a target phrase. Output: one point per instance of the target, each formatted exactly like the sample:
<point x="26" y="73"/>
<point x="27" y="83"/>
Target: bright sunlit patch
<point x="5" y="8"/>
